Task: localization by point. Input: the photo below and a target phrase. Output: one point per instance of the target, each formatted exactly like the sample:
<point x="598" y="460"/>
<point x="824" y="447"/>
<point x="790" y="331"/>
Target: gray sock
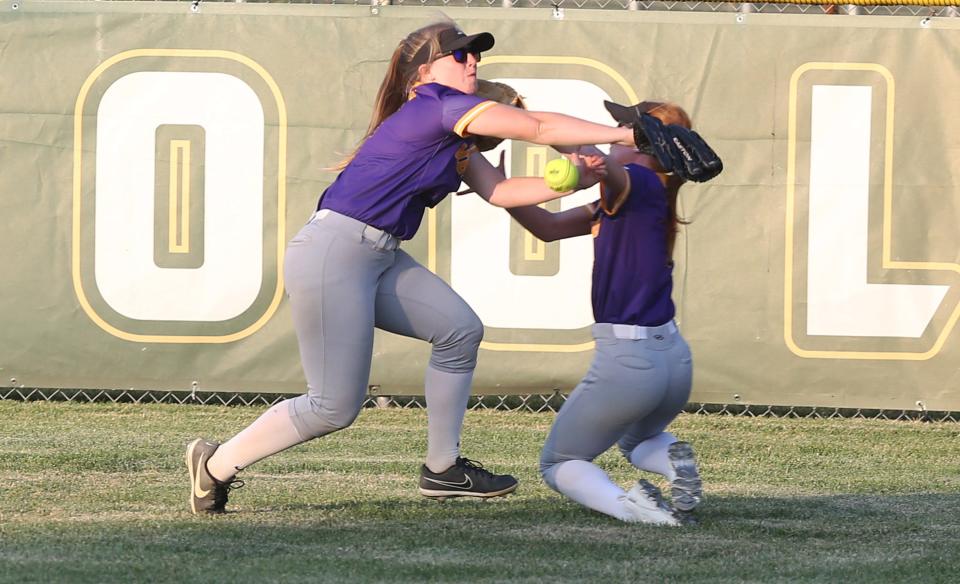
<point x="447" y="395"/>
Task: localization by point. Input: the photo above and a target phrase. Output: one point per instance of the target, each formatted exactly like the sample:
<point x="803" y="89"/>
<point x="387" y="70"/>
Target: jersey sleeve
<point x="459" y="109"/>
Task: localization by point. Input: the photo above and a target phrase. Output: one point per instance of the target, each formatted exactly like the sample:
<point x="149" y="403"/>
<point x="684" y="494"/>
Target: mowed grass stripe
<point x="98" y="493"/>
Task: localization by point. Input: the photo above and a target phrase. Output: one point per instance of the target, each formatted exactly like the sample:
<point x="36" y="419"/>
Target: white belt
<point x="380" y="238"/>
<point x="636" y="332"/>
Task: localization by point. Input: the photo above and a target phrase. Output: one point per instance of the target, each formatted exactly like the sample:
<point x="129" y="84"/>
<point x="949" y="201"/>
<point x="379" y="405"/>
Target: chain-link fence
<point x="932" y="8"/>
<point x="522" y="403"/>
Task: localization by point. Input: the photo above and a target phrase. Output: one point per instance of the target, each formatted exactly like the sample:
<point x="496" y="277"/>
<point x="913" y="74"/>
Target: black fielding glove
<point x="677" y="149"/>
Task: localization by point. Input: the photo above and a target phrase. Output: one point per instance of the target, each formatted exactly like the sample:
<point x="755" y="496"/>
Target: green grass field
<point x="98" y="493"/>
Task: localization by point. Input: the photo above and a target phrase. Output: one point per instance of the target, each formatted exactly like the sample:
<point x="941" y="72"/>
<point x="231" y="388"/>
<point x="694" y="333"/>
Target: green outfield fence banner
<point x="156" y="157"/>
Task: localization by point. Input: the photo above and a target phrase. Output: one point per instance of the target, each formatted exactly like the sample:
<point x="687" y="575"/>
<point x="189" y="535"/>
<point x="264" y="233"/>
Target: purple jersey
<point x="632" y="273"/>
<point x="412" y="161"/>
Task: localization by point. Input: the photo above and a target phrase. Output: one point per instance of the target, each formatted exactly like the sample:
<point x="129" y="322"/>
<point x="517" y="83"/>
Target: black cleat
<point x="207" y="494"/>
<point x="466" y="478"/>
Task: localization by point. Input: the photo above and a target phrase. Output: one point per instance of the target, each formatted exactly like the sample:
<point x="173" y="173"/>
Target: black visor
<point x="624" y="115"/>
<point x="452" y="39"/>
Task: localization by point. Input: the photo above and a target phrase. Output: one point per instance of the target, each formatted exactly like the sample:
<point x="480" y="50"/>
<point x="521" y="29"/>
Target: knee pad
<point x="312" y="420"/>
<point x="457" y="351"/>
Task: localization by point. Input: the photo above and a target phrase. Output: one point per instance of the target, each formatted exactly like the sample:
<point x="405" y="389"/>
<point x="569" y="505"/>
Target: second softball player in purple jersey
<point x="346" y="273"/>
<point x="641" y="373"/>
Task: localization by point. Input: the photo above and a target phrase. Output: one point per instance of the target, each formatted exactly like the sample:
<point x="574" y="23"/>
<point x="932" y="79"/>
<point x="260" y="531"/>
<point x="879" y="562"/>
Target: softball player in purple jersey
<point x="346" y="274"/>
<point x="641" y="373"/>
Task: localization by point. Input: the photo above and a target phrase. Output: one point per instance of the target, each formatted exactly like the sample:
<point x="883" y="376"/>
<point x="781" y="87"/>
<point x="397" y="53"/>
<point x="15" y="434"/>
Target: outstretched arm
<point x="547" y="226"/>
<point x="547" y="128"/>
<point x="543" y="224"/>
<point x="489" y="182"/>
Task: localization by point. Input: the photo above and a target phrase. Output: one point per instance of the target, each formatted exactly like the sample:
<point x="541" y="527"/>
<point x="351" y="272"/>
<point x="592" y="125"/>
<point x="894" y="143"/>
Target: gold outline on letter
<point x="78" y="191"/>
<point x="886" y="262"/>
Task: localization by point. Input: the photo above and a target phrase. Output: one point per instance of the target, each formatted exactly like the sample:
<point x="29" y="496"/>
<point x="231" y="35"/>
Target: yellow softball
<point x="561" y="175"/>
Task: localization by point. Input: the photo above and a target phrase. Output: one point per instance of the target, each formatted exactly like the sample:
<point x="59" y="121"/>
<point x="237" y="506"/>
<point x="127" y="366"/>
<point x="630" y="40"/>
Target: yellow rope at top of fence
<point x="871" y="3"/>
<point x="574" y="4"/>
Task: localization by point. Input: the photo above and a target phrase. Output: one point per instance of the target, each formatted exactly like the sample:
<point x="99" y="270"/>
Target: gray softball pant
<point x="343" y="279"/>
<point x="638" y="382"/>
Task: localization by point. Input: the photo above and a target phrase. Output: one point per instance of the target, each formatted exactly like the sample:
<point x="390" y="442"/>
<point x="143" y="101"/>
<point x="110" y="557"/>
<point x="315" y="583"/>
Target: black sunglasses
<point x="460" y="55"/>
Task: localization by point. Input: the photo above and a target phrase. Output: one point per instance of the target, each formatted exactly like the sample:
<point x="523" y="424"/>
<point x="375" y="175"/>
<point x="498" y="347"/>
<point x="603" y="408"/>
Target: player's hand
<point x="592" y="169"/>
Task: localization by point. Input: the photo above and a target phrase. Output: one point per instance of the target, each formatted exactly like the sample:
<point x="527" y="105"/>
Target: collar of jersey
<point x="413" y="90"/>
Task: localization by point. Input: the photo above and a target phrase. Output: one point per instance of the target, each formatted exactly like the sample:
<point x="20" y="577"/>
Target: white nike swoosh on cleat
<point x="197" y="491"/>
<point x="466" y="484"/>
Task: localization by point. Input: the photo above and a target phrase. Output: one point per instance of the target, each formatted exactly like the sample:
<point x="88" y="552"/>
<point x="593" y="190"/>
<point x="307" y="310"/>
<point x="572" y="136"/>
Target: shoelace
<point x="234" y="483"/>
<point x="473" y="465"/>
<point x="222" y="488"/>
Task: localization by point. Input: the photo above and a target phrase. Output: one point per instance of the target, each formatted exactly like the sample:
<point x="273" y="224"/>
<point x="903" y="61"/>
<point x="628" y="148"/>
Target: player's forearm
<point x="548" y="226"/>
<point x="583" y="150"/>
<point x="537" y="221"/>
<point x="547" y="128"/>
<point x="561" y="130"/>
<point x="522" y="191"/>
